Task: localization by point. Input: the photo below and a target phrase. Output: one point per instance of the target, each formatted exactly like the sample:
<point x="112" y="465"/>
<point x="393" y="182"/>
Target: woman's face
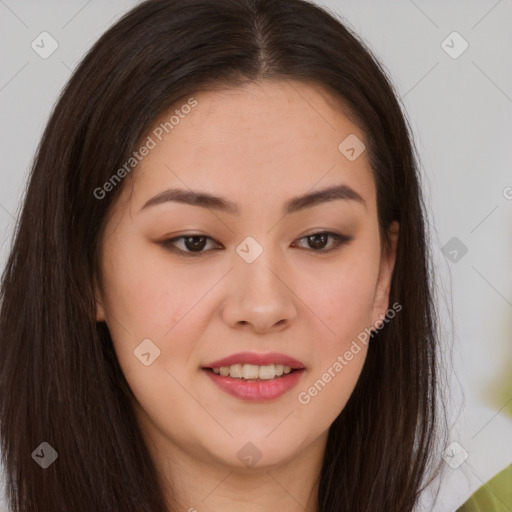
<point x="252" y="279"/>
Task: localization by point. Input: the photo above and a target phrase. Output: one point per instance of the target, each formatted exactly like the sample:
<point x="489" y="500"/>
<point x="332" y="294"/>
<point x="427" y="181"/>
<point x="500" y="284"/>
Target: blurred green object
<point x="493" y="496"/>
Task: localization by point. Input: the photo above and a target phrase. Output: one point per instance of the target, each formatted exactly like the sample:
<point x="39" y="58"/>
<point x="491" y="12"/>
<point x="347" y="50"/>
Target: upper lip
<point x="257" y="359"/>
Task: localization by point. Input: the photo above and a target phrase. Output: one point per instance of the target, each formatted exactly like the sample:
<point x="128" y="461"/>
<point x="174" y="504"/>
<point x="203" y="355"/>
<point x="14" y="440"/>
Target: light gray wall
<point x="460" y="110"/>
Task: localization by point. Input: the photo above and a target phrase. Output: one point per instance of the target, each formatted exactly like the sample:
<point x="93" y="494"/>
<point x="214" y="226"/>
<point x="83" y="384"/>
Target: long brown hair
<point x="60" y="381"/>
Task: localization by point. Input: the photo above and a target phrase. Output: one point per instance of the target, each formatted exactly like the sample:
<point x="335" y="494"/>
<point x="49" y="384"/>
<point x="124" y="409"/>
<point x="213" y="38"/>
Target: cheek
<point x="150" y="296"/>
<point x="341" y="298"/>
<point x="340" y="295"/>
<point x="147" y="298"/>
<point x="150" y="300"/>
<point x="326" y="392"/>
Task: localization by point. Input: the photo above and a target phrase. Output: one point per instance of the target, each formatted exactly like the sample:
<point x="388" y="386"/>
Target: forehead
<point x="278" y="138"/>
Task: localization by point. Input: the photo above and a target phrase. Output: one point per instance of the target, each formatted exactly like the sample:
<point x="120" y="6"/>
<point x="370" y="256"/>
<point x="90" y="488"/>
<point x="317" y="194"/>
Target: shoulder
<point x="494" y="496"/>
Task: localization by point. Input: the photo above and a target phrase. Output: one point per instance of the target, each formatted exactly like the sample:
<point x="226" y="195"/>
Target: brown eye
<point x="191" y="245"/>
<point x="195" y="243"/>
<point x="318" y="241"/>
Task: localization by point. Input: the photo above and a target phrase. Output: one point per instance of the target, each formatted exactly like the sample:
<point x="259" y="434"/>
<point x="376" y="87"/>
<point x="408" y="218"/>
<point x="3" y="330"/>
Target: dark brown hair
<point x="60" y="380"/>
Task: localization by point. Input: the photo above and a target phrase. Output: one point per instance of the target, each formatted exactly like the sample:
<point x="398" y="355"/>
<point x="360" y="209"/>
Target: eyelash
<point x="168" y="244"/>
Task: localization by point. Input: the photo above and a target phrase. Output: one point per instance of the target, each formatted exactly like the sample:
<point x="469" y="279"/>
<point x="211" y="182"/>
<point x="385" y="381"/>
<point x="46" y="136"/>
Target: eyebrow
<point x="295" y="204"/>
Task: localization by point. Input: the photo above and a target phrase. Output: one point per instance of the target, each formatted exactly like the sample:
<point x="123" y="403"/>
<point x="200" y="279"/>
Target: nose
<point x="261" y="300"/>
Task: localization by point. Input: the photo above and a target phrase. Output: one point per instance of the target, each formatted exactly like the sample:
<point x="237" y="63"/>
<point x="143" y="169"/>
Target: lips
<point x="264" y="389"/>
<point x="256" y="391"/>
<point x="257" y="359"/>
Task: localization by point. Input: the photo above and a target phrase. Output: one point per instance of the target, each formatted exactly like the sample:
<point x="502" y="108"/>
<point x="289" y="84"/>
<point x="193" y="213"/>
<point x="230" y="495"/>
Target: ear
<point x="100" y="310"/>
<point x="387" y="264"/>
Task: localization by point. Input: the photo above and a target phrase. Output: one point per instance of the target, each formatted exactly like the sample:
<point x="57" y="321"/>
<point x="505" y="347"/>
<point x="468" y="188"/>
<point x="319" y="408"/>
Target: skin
<point x="257" y="146"/>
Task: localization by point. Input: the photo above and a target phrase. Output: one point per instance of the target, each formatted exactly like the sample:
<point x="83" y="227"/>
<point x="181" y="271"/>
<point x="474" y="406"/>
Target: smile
<point x="256" y="390"/>
<point x="252" y="371"/>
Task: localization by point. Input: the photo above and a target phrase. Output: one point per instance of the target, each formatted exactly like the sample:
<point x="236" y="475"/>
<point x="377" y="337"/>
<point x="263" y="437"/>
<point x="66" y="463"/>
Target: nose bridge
<point x="257" y="267"/>
<point x="261" y="297"/>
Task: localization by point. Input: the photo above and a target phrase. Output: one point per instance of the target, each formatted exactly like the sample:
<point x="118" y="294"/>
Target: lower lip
<point x="256" y="391"/>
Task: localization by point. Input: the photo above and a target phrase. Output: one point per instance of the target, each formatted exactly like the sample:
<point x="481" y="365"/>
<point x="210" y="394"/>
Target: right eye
<point x="193" y="245"/>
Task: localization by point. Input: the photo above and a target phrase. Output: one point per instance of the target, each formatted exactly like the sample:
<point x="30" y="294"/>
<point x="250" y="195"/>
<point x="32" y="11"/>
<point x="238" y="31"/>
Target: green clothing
<point x="493" y="496"/>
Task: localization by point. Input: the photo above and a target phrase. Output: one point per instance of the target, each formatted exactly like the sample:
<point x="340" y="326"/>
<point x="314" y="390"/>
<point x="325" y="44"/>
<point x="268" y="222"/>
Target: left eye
<point x="194" y="244"/>
<point x="317" y="241"/>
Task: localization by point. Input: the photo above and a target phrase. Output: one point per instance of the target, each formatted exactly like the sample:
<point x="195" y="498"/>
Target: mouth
<point x="243" y="364"/>
<point x="261" y="382"/>
<point x="252" y="372"/>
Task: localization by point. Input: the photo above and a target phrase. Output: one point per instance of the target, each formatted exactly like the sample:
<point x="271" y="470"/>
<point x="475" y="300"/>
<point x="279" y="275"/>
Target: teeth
<point x="267" y="372"/>
<point x="235" y="370"/>
<point x="252" y="371"/>
<point x="249" y="371"/>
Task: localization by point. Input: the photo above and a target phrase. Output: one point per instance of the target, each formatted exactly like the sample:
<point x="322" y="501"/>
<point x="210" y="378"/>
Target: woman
<point x="219" y="293"/>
